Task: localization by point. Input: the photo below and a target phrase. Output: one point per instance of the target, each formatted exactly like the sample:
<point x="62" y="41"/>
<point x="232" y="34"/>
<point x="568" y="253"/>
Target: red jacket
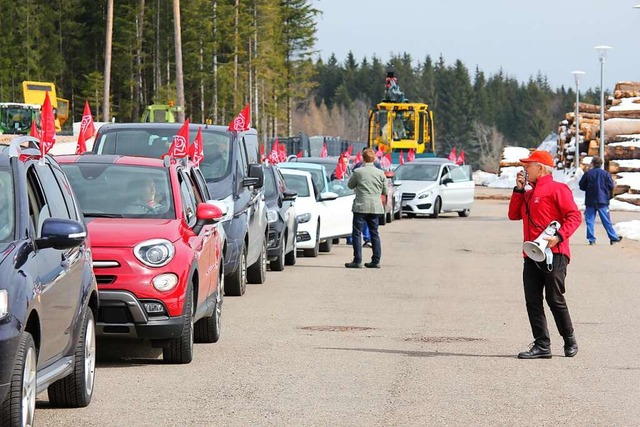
<point x="547" y="201"/>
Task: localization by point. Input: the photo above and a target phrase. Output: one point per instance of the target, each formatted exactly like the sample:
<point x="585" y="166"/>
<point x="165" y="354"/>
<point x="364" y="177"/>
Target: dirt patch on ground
<point x="327" y="328"/>
<point x="434" y="340"/>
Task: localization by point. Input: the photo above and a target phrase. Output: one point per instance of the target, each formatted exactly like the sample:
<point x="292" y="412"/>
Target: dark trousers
<point x="359" y="220"/>
<point x="537" y="278"/>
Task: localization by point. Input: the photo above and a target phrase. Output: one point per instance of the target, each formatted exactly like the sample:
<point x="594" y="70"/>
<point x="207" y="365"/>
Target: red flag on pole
<point x="350" y="150"/>
<point x="411" y="156"/>
<point x="324" y="152"/>
<point x="385" y="161"/>
<point x="87" y="129"/>
<point x="300" y="154"/>
<point x="340" y="168"/>
<point x="196" y="150"/>
<point x="358" y="158"/>
<point x="35" y="132"/>
<point x="282" y="152"/>
<point x="47" y="126"/>
<point x="460" y="160"/>
<point x="242" y="121"/>
<point x="179" y="145"/>
<point x="452" y="155"/>
<point x="273" y="157"/>
<point x="379" y="153"/>
<point x="262" y="158"/>
<point x="401" y="158"/>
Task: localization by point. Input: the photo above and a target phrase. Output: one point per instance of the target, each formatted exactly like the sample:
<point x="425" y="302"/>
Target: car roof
<point x="432" y="160"/>
<point x="295" y="172"/>
<point x="112" y="127"/>
<point x="296" y="165"/>
<point x="111" y="159"/>
<point x="4" y="159"/>
<point x="316" y="160"/>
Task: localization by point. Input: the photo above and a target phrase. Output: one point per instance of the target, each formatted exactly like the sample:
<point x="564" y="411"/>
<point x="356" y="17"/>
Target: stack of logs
<point x="622" y="137"/>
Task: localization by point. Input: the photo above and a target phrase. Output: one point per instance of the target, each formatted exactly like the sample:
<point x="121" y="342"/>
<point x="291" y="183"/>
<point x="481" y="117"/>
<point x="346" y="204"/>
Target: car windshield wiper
<point x="103" y="215"/>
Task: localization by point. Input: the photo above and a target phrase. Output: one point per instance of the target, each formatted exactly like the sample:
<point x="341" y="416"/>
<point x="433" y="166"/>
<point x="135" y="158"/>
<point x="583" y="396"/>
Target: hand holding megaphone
<point x="540" y="249"/>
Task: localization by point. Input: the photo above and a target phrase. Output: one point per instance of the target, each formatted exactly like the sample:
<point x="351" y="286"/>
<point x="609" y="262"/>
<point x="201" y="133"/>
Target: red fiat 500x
<point x="157" y="251"/>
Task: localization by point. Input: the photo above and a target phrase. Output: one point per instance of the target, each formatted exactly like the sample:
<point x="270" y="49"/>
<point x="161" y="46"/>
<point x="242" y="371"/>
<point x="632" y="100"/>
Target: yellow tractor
<point x="34" y="93"/>
<point x="396" y="124"/>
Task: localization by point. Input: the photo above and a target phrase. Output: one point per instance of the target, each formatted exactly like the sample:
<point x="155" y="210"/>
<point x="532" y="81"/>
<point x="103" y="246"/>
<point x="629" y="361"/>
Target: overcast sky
<point x="521" y="37"/>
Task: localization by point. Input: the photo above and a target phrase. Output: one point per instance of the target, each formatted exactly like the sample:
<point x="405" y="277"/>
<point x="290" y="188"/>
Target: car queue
<point x="156" y="243"/>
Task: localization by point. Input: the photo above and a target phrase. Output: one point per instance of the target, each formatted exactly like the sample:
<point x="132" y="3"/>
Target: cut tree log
<point x="587" y="108"/>
<point x="620" y="189"/>
<point x="622" y="126"/>
<point x="633" y="86"/>
<point x="620" y="152"/>
<point x="619" y="94"/>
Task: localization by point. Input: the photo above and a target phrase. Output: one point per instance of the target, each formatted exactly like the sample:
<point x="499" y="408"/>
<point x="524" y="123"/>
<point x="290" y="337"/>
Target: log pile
<point x="622" y="138"/>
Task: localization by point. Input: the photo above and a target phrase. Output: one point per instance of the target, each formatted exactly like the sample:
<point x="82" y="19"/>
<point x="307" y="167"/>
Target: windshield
<point x="121" y="191"/>
<point x="156" y="142"/>
<point x="15" y="119"/>
<point x="298" y="184"/>
<point x="7" y="210"/>
<point x="417" y="172"/>
<point x="316" y="176"/>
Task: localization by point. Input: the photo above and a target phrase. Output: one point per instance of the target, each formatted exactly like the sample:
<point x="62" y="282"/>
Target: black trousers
<point x="537" y="280"/>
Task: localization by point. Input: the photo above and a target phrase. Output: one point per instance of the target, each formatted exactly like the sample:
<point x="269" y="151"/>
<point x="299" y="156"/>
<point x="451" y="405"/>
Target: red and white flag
<point x="411" y="156"/>
<point x="87" y="129"/>
<point x="379" y="153"/>
<point x="47" y="126"/>
<point x="262" y="158"/>
<point x="401" y="157"/>
<point x="358" y="158"/>
<point x="300" y="154"/>
<point x="242" y="121"/>
<point x="452" y="155"/>
<point x="385" y="161"/>
<point x="282" y="152"/>
<point x="460" y="160"/>
<point x="273" y="156"/>
<point x="35" y="132"/>
<point x="349" y="151"/>
<point x="179" y="146"/>
<point x="196" y="150"/>
<point x="324" y="152"/>
<point x="341" y="168"/>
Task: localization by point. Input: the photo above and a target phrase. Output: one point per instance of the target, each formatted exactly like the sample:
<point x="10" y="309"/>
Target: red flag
<point x="358" y="158"/>
<point x="242" y="121"/>
<point x="35" y="132"/>
<point x="179" y="145"/>
<point x="401" y="158"/>
<point x="452" y="155"/>
<point x="47" y="126"/>
<point x="196" y="150"/>
<point x="350" y="150"/>
<point x="324" y="152"/>
<point x="87" y="129"/>
<point x="300" y="154"/>
<point x="411" y="156"/>
<point x="282" y="153"/>
<point x="341" y="167"/>
<point x="262" y="158"/>
<point x="460" y="160"/>
<point x="385" y="161"/>
<point x="273" y="157"/>
<point x="379" y="153"/>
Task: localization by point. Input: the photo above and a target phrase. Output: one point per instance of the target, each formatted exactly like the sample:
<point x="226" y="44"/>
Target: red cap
<point x="539" y="156"/>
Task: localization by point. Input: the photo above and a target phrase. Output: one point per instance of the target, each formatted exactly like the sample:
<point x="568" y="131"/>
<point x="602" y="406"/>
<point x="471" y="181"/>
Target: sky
<point x="520" y="37"/>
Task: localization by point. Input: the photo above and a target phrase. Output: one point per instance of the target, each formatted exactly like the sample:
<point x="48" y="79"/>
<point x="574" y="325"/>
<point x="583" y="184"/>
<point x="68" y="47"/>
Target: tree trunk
<point x="215" y="62"/>
<point x="139" y="102"/>
<point x="236" y="43"/>
<point x="179" y="74"/>
<point x="107" y="63"/>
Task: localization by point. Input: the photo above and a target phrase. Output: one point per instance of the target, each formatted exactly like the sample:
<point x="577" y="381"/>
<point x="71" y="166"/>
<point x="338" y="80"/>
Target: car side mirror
<point x="206" y="213"/>
<point x="220" y="205"/>
<point x="328" y="195"/>
<point x="447" y="180"/>
<point x="389" y="174"/>
<point x="256" y="176"/>
<point x="289" y="196"/>
<point x="59" y="233"/>
<point x="397" y="183"/>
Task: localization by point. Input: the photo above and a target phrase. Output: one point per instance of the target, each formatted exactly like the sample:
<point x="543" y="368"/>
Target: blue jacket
<point x="597" y="185"/>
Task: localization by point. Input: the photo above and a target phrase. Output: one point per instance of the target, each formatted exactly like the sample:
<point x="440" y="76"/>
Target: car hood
<point x="417" y="186"/>
<point x="126" y="233"/>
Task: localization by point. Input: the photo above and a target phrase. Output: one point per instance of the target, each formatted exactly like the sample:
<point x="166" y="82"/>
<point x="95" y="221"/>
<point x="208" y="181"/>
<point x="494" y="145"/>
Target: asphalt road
<point x="429" y="339"/>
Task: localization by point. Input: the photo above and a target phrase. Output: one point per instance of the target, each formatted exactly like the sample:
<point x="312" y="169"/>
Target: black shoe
<point x="372" y="265"/>
<point x="613" y="242"/>
<point x="353" y="264"/>
<point x="570" y="346"/>
<point x="592" y="243"/>
<point x="535" y="352"/>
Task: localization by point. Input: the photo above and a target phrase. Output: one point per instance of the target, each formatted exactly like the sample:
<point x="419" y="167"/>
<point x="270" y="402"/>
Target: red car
<point x="157" y="251"/>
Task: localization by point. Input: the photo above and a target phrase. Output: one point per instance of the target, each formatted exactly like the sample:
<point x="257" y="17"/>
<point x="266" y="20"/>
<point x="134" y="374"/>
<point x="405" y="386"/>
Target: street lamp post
<point x="576" y="154"/>
<point x="602" y="54"/>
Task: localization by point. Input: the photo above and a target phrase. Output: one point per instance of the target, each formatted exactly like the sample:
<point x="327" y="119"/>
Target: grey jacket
<point x="369" y="183"/>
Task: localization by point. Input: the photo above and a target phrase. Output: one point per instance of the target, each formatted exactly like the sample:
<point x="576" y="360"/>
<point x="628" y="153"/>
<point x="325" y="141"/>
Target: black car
<point x="48" y="292"/>
<point x="234" y="175"/>
<point x="283" y="226"/>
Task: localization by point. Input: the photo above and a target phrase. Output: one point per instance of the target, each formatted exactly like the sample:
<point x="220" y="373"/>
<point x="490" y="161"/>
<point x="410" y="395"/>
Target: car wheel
<point x="180" y="350"/>
<point x="326" y="246"/>
<point x="336" y="241"/>
<point x="237" y="282"/>
<point x="257" y="273"/>
<point x="314" y="251"/>
<point x="382" y="220"/>
<point x="411" y="215"/>
<point x="278" y="263"/>
<point x="19" y="407"/>
<point x="436" y="208"/>
<point x="398" y="215"/>
<point x="292" y="257"/>
<point x="76" y="389"/>
<point x="389" y="216"/>
<point x="464" y="213"/>
<point x="207" y="329"/>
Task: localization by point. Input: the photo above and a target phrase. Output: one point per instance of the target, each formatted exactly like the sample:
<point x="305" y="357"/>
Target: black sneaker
<point x="613" y="242"/>
<point x="592" y="243"/>
<point x="372" y="265"/>
<point x="535" y="352"/>
<point x="353" y="264"/>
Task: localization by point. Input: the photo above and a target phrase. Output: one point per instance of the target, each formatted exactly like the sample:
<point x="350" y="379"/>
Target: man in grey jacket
<point x="368" y="183"/>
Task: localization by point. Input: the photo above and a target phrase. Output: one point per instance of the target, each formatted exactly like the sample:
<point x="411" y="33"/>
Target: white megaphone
<point x="538" y="250"/>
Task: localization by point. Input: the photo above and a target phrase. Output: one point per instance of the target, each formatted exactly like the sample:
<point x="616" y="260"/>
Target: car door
<point x="462" y="187"/>
<point x="59" y="271"/>
<point x="446" y="190"/>
<point x="287" y="207"/>
<point x="256" y="210"/>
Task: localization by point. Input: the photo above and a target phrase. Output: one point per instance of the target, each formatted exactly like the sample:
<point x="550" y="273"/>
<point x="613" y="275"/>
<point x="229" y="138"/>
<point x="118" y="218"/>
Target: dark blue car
<point x="48" y="292"/>
<point x="281" y="215"/>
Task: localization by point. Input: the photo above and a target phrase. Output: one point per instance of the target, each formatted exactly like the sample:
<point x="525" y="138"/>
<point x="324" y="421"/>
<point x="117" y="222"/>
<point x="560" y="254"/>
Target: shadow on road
<point x="413" y="353"/>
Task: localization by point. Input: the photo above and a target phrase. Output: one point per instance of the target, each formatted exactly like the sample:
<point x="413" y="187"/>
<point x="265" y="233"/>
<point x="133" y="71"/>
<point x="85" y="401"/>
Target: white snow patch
<point x="634" y="163"/>
<point x="628" y="229"/>
<point x="632" y="179"/>
<point x="514" y="154"/>
<point x="627" y="105"/>
<point x="484" y="178"/>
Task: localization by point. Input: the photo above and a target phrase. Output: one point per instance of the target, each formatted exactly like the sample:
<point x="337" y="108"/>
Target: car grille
<point x="424" y="206"/>
<point x="114" y="314"/>
<point x="408" y="196"/>
<point x="303" y="236"/>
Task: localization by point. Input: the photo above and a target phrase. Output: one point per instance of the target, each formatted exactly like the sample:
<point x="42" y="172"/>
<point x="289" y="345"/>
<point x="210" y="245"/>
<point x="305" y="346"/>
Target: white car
<point x="311" y="213"/>
<point x="433" y="186"/>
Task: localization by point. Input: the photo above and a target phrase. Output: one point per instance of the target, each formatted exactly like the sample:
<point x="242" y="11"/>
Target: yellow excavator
<point x="34" y="93"/>
<point x="396" y="124"/>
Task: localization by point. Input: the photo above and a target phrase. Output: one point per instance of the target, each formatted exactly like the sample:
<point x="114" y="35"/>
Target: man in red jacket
<point x="547" y="201"/>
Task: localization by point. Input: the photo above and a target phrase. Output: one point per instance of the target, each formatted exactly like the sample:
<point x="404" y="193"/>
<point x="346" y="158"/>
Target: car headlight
<point x="229" y="204"/>
<point x="272" y="216"/>
<point x="165" y="282"/>
<point x="4" y="303"/>
<point x="302" y="218"/>
<point x="425" y="195"/>
<point x="155" y="252"/>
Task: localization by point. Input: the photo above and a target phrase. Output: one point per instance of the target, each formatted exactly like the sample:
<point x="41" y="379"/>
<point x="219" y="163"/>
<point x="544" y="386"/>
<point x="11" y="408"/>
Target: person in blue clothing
<point x="598" y="185"/>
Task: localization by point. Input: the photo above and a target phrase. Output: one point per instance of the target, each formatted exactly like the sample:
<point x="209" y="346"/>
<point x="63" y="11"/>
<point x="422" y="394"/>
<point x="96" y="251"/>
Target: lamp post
<point x="576" y="155"/>
<point x="602" y="54"/>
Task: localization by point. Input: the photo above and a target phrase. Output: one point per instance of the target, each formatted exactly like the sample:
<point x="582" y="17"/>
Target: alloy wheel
<point x="89" y="357"/>
<point x="29" y="388"/>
